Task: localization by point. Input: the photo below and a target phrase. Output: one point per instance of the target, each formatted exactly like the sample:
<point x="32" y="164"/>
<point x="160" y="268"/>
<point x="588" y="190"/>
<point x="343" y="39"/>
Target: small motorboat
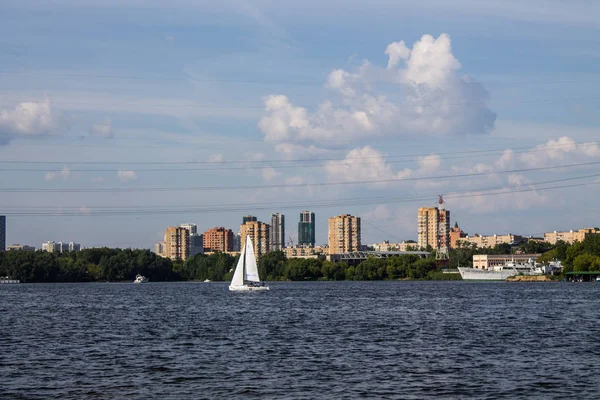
<point x="140" y="279"/>
<point x="206" y="280"/>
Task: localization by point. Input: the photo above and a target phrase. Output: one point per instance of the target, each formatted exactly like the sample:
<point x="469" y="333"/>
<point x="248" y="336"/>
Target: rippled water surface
<point x="300" y="341"/>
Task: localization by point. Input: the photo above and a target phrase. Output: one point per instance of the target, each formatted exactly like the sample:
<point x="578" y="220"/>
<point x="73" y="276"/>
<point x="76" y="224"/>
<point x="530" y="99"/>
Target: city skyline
<point x="182" y="119"/>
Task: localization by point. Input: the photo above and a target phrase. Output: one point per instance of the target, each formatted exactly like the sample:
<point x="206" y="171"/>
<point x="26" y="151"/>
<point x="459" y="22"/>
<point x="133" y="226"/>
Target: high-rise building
<point x="433" y="227"/>
<point x="192" y="228"/>
<point x="237" y="242"/>
<point x="74" y="246"/>
<point x="277" y="234"/>
<point x="218" y="239"/>
<point x="259" y="233"/>
<point x="159" y="249"/>
<point x="248" y="218"/>
<point x="177" y="243"/>
<point x="344" y="234"/>
<point x="50" y="247"/>
<point x="2" y="233"/>
<point x="306" y="229"/>
<point x="196" y="244"/>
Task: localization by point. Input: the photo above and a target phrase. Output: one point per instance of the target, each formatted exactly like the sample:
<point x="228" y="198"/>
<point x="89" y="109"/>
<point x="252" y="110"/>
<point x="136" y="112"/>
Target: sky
<point x="121" y="118"/>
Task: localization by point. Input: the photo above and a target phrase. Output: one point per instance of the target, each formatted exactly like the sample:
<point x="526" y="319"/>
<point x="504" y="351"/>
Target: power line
<point x="415" y="157"/>
<point x="273" y="186"/>
<point x="268" y="82"/>
<point x="246" y="208"/>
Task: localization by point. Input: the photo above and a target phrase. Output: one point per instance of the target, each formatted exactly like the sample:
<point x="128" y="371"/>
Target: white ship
<point x="500" y="272"/>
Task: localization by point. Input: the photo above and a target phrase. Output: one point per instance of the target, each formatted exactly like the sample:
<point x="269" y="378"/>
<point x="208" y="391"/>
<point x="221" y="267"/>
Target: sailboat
<point x="245" y="277"/>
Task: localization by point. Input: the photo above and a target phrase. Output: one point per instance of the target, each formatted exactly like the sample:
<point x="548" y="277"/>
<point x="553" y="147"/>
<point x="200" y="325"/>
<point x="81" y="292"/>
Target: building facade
<point x="429" y="233"/>
<point x="160" y="249"/>
<point x="487" y="261"/>
<point x="492" y="240"/>
<point x="570" y="236"/>
<point x="218" y="239"/>
<point x="277" y="233"/>
<point x="177" y="243"/>
<point x="196" y="244"/>
<point x="386" y="245"/>
<point x="2" y="232"/>
<point x="344" y="234"/>
<point x="20" y="247"/>
<point x="456" y="234"/>
<point x="248" y="218"/>
<point x="306" y="252"/>
<point x="306" y="229"/>
<point x="192" y="228"/>
<point x="259" y="233"/>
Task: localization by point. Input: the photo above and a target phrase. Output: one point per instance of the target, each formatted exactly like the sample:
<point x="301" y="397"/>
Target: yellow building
<point x="306" y="251"/>
<point x="344" y="234"/>
<point x="259" y="233"/>
<point x="570" y="236"/>
<point x="428" y="227"/>
<point x="177" y="243"/>
<point x="218" y="239"/>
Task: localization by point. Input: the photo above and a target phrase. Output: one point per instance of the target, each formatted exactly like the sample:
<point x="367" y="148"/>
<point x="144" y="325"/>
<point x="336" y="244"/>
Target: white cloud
<point x="381" y="212"/>
<point x="85" y="210"/>
<point x="98" y="179"/>
<point x="269" y="173"/>
<point x="28" y="118"/>
<point x="564" y="149"/>
<point x="126" y="176"/>
<point x="217" y="157"/>
<point x="363" y="164"/>
<point x="63" y="174"/>
<point x="102" y="129"/>
<point x="425" y="95"/>
<point x="429" y="163"/>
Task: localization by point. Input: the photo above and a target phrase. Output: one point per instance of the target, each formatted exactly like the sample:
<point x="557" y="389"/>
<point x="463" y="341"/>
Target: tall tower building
<point x="259" y="233"/>
<point x="344" y="234"/>
<point x="433" y="227"/>
<point x="177" y="243"/>
<point x="2" y="232"/>
<point x="248" y="218"/>
<point x="277" y="233"/>
<point x="306" y="229"/>
<point x="192" y="228"/>
<point x="218" y="239"/>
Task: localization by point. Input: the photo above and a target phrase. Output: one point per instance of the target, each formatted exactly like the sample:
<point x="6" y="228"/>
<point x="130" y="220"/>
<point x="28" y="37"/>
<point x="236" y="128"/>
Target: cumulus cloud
<point x="425" y="94"/>
<point x="269" y="173"/>
<point x="85" y="210"/>
<point x="217" y="157"/>
<point x="63" y="174"/>
<point x="102" y="129"/>
<point x="562" y="149"/>
<point x="29" y="118"/>
<point x="429" y="163"/>
<point x="126" y="176"/>
<point x="363" y="164"/>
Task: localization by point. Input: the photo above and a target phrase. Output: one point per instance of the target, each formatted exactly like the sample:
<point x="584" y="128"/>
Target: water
<point x="300" y="341"/>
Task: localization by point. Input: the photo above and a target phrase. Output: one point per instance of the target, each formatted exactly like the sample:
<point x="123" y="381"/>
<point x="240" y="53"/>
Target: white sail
<point x="238" y="275"/>
<point x="251" y="270"/>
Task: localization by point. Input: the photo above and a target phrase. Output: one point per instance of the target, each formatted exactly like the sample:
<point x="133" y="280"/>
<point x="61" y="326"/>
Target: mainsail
<point x="251" y="270"/>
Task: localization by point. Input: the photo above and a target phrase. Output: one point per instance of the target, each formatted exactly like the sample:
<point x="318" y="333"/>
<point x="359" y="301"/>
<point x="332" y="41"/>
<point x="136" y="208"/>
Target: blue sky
<point x="246" y="93"/>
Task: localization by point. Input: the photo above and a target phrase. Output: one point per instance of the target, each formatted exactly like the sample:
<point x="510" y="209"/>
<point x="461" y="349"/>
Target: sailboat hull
<point x="246" y="288"/>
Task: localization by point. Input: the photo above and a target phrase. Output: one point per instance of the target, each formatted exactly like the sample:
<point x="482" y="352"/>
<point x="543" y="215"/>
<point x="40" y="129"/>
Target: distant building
<point x="306" y="229"/>
<point x="237" y="242"/>
<point x="218" y="239"/>
<point x="306" y="252"/>
<point x="177" y="243"/>
<point x="570" y="236"/>
<point x="405" y="245"/>
<point x="196" y="244"/>
<point x="60" y="247"/>
<point x="2" y="232"/>
<point x="493" y="240"/>
<point x="20" y="247"/>
<point x="344" y="234"/>
<point x="160" y="248"/>
<point x="259" y="233"/>
<point x="192" y="228"/>
<point x="248" y="218"/>
<point x="277" y="233"/>
<point x="429" y="233"/>
<point x="456" y="234"/>
<point x="487" y="261"/>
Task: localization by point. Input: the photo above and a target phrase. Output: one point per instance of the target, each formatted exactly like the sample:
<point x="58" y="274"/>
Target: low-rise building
<point x="570" y="236"/>
<point x="491" y="240"/>
<point x="386" y="245"/>
<point x="487" y="261"/>
<point x="17" y="247"/>
<point x="306" y="251"/>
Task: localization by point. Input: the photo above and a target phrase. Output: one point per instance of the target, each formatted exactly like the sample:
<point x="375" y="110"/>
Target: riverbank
<point x="529" y="278"/>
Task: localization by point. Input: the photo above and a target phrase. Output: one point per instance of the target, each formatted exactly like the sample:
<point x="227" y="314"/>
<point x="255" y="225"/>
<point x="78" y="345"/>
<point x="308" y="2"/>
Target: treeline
<point x="579" y="256"/>
<point x="105" y="264"/>
<point x="101" y="264"/>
